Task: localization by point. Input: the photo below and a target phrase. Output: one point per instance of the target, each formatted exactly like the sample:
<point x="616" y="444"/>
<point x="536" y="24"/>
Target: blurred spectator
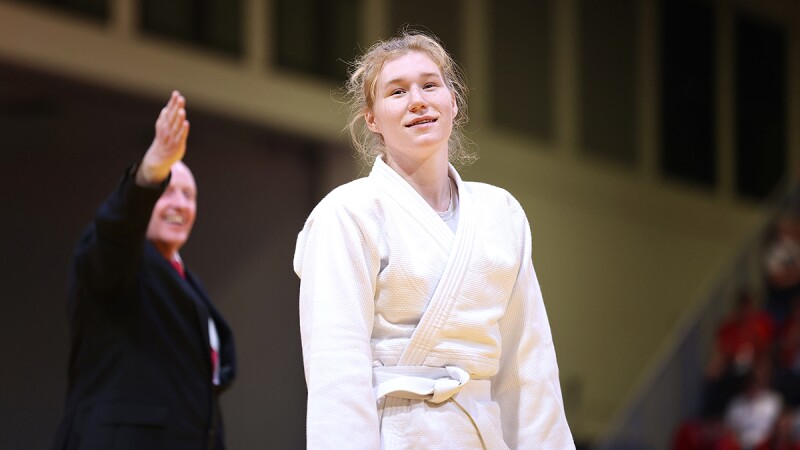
<point x="782" y="266"/>
<point x="705" y="433"/>
<point x="753" y="414"/>
<point x="788" y="357"/>
<point x="745" y="336"/>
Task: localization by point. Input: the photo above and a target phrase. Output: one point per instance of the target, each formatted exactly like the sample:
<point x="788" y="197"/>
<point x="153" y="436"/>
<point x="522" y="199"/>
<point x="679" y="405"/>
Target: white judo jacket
<point x="415" y="337"/>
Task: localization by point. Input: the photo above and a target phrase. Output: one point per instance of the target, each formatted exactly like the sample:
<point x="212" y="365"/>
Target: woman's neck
<point x="429" y="178"/>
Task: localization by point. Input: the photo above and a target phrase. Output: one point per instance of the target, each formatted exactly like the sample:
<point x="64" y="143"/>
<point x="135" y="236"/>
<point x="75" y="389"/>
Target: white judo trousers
<point x="415" y="337"/>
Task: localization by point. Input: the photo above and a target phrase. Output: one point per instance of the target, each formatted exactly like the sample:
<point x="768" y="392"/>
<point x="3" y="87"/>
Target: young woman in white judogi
<point x="421" y="317"/>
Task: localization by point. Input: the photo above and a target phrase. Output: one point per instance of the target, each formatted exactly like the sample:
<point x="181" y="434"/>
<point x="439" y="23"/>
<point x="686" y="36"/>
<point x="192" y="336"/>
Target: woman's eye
<point x="397" y="91"/>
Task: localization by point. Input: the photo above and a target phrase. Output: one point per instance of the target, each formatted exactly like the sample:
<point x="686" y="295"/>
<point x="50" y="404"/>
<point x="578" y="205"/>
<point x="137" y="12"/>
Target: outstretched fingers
<point x="177" y="112"/>
<point x="169" y="144"/>
<point x="172" y="125"/>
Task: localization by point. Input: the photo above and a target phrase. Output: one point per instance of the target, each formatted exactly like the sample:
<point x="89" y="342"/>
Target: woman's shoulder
<point x="490" y="196"/>
<point x="356" y="196"/>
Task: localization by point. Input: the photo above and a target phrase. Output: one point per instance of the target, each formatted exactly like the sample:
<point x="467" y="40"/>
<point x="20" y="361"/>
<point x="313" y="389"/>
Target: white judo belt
<point x="437" y="385"/>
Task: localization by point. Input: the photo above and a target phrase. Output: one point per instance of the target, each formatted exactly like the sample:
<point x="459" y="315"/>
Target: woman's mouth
<point x="420" y="122"/>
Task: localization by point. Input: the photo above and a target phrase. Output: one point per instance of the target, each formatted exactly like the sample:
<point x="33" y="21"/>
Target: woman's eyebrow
<point x="400" y="80"/>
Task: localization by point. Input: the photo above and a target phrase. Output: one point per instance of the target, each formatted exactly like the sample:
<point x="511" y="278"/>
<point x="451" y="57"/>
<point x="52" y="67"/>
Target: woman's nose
<point x="417" y="98"/>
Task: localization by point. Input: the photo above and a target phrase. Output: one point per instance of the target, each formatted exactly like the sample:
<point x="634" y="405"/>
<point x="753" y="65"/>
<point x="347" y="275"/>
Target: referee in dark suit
<point x="150" y="354"/>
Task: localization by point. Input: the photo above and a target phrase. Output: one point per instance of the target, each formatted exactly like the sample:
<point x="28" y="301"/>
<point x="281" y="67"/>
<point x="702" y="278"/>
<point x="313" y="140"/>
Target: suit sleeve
<point x="110" y="249"/>
<point x="527" y="385"/>
<point x="338" y="266"/>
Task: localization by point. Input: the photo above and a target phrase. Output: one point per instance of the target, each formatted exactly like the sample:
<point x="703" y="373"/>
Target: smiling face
<point x="174" y="213"/>
<point x="413" y="109"/>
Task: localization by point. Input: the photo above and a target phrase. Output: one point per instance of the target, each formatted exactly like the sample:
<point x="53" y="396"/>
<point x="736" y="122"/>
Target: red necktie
<point x="179" y="267"/>
<point x="214" y="353"/>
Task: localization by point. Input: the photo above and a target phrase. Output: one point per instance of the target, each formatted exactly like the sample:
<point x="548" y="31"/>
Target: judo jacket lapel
<point x="458" y="246"/>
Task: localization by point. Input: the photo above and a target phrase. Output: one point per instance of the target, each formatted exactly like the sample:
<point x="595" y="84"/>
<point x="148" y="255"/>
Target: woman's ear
<point x="369" y="117"/>
<point x="455" y="104"/>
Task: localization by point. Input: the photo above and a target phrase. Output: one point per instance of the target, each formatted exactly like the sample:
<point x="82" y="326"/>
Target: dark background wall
<point x="61" y="152"/>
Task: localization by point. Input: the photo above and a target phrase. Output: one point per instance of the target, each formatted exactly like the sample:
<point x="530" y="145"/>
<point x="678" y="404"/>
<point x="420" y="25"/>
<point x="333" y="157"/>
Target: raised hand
<point x="169" y="144"/>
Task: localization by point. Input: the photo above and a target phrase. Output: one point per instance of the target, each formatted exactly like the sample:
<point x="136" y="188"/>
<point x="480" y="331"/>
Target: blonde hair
<point x="360" y="94"/>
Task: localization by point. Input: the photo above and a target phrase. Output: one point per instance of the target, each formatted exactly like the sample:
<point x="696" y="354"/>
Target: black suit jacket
<point x="140" y="374"/>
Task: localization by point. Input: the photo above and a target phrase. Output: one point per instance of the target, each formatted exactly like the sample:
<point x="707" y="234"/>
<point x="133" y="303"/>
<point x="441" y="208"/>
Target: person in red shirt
<point x="744" y="337"/>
